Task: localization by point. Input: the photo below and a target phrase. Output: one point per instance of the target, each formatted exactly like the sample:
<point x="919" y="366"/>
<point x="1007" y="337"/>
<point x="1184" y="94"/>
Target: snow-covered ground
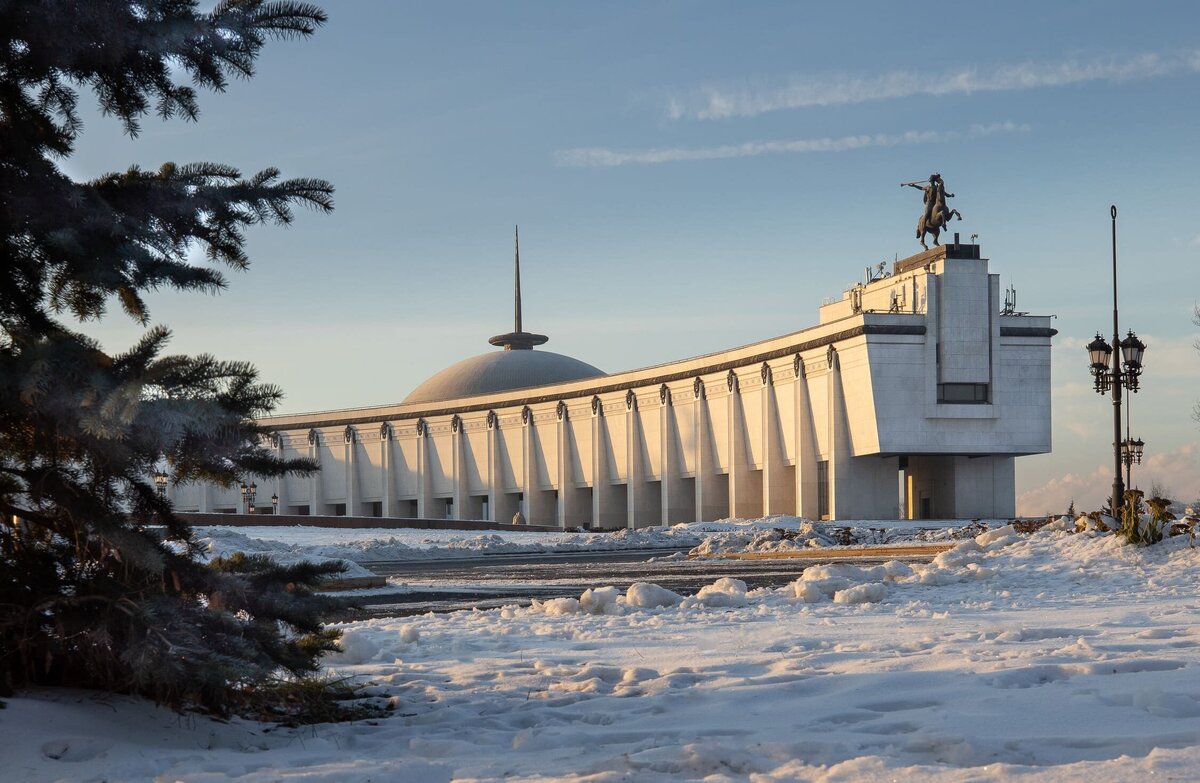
<point x="367" y="545"/>
<point x="1054" y="656"/>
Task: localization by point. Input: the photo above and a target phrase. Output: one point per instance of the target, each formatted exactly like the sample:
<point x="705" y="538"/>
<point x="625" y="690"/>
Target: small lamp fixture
<point x="1131" y="351"/>
<point x="1099" y="353"/>
<point x="274" y="503"/>
<point x="160" y="483"/>
<point x="1135" y="448"/>
<point x="248" y="496"/>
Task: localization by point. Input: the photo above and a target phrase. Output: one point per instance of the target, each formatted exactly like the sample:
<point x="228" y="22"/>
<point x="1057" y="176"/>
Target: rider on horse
<point x="936" y="214"/>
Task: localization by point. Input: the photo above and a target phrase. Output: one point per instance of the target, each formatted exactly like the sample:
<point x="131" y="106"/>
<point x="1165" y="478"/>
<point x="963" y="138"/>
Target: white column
<point x="563" y="475"/>
<point x="839" y="440"/>
<point x="666" y="459"/>
<point x="806" y="449"/>
<point x="459" y="475"/>
<point x="314" y="481"/>
<point x="772" y="493"/>
<point x="528" y="481"/>
<point x="738" y="458"/>
<point x="601" y="477"/>
<point x="493" y="467"/>
<point x="386" y="479"/>
<point x="280" y="481"/>
<point x="351" y="472"/>
<point x="702" y="445"/>
<point x="633" y="469"/>
<point x="423" y="478"/>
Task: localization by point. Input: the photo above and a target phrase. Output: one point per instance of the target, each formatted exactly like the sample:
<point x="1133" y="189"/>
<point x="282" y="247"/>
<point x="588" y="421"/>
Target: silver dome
<point x="500" y="371"/>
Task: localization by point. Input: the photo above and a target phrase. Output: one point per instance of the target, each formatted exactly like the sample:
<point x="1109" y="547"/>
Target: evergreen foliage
<point x="100" y="584"/>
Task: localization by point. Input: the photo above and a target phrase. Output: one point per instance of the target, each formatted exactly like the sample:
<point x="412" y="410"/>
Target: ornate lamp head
<point x="1099" y="353"/>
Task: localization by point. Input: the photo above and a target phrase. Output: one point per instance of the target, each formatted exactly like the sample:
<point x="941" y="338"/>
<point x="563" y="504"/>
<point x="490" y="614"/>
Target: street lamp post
<point x="1126" y="357"/>
<point x="1131" y="454"/>
<point x="160" y="483"/>
<point x="248" y="496"/>
<point x="274" y="503"/>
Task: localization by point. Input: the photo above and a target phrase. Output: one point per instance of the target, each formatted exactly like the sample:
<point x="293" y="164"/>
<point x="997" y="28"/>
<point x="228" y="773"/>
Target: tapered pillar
<point x="387" y="481"/>
<point x="604" y="515"/>
<point x="424" y="479"/>
<point x="806" y="447"/>
<point x="778" y="491"/>
<point x="280" y="443"/>
<point x="350" y="454"/>
<point x="314" y="481"/>
<point x="741" y="504"/>
<point x="459" y="478"/>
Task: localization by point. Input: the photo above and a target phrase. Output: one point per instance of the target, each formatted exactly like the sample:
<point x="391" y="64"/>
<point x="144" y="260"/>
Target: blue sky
<point x="695" y="176"/>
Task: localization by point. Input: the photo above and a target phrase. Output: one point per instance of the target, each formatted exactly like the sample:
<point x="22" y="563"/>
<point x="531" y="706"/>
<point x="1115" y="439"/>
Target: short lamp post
<point x="275" y="501"/>
<point x="1116" y="367"/>
<point x="160" y="483"/>
<point x="248" y="497"/>
<point x="1131" y="454"/>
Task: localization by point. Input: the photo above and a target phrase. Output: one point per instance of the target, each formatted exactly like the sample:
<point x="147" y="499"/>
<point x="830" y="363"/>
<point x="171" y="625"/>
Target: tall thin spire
<point x="518" y="339"/>
<point x="517" y="287"/>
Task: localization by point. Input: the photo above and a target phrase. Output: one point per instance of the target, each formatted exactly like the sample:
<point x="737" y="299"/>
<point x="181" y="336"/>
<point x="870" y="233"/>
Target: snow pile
<point x="223" y="542"/>
<point x="648" y="596"/>
<point x="1045" y="657"/>
<point x="366" y="545"/>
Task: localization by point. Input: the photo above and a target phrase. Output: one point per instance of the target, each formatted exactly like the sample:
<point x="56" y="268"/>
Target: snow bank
<point x="713" y="539"/>
<point x="223" y="542"/>
<point x="648" y="596"/>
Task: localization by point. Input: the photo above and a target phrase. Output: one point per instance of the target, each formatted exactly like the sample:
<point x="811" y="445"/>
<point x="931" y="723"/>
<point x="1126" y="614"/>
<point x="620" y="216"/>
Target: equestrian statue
<point x="936" y="215"/>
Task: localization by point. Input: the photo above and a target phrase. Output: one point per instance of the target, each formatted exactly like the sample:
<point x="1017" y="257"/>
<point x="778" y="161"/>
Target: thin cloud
<point x="601" y="157"/>
<point x="1175" y="470"/>
<point x="798" y="92"/>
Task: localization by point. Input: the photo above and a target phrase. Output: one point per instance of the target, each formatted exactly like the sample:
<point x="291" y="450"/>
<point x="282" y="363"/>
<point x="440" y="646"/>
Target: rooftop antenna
<point x="517" y="284"/>
<point x="518" y="339"/>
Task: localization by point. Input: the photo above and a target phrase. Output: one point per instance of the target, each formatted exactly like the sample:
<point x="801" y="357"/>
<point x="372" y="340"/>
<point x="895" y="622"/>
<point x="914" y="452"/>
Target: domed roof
<point x="500" y="371"/>
<point x="518" y="366"/>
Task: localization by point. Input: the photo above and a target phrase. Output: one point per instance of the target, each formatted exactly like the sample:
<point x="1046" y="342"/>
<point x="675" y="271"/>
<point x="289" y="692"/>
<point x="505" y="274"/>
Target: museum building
<point x="910" y="398"/>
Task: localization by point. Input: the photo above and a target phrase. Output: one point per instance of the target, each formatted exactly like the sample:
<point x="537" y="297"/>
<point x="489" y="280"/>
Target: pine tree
<point x="100" y="582"/>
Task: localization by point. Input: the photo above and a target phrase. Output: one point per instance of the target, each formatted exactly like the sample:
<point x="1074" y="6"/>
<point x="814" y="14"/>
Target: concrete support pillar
<point x="777" y="497"/>
<point x="674" y="505"/>
<point x="350" y="453"/>
<point x="741" y="502"/>
<point x="280" y="481"/>
<point x="564" y="476"/>
<point x="205" y="504"/>
<point x="806" y="449"/>
<point x="700" y="423"/>
<point x="493" y="468"/>
<point x="633" y="462"/>
<point x="839" y="441"/>
<point x="459" y="478"/>
<point x="314" y="481"/>
<point x="424" y="479"/>
<point x="386" y="480"/>
<point x="604" y="511"/>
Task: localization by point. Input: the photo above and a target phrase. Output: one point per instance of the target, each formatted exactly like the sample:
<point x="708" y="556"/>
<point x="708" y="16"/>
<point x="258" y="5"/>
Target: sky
<point x="693" y="176"/>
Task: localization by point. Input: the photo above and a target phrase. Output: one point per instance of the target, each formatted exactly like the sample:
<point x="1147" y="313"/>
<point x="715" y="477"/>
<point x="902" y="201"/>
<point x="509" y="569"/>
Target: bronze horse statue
<point x="936" y="214"/>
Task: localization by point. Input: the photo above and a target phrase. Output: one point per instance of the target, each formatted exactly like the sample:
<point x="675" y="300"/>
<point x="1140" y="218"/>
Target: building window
<point x="823" y="489"/>
<point x="963" y="393"/>
<point x="376" y="508"/>
<point x="449" y="508"/>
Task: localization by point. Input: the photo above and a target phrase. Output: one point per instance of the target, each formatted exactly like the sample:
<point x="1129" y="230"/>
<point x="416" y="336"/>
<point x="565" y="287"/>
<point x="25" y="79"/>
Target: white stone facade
<point x="911" y="398"/>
